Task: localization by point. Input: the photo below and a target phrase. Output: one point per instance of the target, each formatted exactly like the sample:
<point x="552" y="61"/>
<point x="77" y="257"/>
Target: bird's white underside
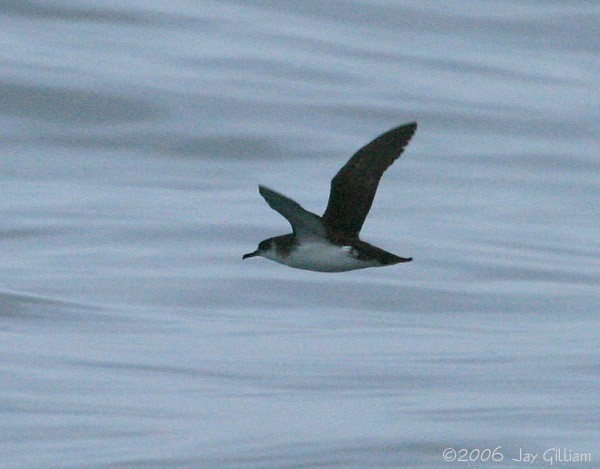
<point x="321" y="257"/>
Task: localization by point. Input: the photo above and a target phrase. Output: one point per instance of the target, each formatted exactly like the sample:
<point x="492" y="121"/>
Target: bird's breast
<point x="324" y="257"/>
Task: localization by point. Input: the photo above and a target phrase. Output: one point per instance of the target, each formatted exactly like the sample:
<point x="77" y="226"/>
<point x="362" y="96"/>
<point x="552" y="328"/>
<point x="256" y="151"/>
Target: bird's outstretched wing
<point x="353" y="187"/>
<point x="304" y="223"/>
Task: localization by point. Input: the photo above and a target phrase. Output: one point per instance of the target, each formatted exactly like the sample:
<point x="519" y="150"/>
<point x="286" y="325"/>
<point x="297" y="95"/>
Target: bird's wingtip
<point x="262" y="188"/>
<point x="406" y="129"/>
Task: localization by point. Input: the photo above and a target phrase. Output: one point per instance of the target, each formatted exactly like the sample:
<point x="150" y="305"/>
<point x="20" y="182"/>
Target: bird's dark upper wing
<point x="304" y="223"/>
<point x="353" y="187"/>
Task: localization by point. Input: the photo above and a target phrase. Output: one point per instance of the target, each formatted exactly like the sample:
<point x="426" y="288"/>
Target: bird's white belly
<point x="323" y="257"/>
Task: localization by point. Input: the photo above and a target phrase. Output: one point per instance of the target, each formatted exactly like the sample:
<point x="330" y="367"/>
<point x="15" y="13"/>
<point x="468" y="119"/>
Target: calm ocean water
<point x="134" y="135"/>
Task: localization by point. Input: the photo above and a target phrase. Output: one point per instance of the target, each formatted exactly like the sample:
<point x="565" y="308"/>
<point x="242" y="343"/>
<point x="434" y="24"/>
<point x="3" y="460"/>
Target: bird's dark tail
<point x="390" y="259"/>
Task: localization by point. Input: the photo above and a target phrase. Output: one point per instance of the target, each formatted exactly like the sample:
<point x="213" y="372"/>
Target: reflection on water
<point x="134" y="137"/>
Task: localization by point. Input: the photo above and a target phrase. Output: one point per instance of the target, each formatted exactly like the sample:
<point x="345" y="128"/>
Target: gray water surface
<point x="134" y="135"/>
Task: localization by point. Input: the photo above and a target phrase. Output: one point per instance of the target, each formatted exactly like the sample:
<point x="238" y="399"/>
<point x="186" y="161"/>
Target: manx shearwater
<point x="331" y="243"/>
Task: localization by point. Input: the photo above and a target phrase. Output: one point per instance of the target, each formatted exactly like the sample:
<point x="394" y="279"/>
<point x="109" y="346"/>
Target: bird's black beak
<point x="250" y="254"/>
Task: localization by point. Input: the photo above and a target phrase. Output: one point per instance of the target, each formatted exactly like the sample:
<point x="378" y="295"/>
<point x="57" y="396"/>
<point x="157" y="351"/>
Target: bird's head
<point x="264" y="247"/>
